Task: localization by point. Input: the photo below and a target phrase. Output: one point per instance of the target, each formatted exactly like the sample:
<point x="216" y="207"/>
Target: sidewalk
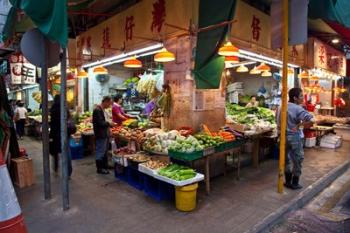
<point x="102" y="204"/>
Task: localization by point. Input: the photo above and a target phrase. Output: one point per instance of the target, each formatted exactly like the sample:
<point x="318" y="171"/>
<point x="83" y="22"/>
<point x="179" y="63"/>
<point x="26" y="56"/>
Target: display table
<point x="321" y="131"/>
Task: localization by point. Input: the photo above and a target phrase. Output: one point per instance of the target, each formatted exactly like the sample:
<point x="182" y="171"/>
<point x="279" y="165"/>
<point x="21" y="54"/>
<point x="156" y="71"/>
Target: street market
<point x="170" y="100"/>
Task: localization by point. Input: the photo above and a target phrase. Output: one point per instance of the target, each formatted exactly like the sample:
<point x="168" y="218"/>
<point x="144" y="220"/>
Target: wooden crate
<point x="23" y="172"/>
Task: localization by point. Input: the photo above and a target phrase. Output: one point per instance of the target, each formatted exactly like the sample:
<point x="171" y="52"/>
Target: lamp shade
<point x="266" y="74"/>
<point x="82" y="74"/>
<point x="231" y="59"/>
<point x="242" y="69"/>
<point x="100" y="70"/>
<point x="314" y="78"/>
<point x="263" y="67"/>
<point x="228" y="50"/>
<point x="164" y="56"/>
<point x="133" y="62"/>
<point x="304" y="74"/>
<point x="254" y="71"/>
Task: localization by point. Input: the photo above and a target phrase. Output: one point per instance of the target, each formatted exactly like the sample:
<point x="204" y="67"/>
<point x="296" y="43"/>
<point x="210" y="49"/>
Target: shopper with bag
<point x="20" y="119"/>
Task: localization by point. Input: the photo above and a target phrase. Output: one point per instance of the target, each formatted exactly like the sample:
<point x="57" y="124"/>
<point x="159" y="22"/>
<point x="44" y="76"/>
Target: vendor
<point x="252" y="103"/>
<point x="118" y="114"/>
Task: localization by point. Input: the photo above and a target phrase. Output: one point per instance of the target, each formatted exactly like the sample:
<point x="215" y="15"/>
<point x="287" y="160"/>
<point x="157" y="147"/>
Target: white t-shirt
<point x="21" y="111"/>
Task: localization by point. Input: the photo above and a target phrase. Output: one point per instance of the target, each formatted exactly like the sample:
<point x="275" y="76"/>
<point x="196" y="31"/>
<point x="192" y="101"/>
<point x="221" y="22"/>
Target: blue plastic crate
<point x="77" y="152"/>
<point x="121" y="172"/>
<point x="158" y="190"/>
<point x="135" y="178"/>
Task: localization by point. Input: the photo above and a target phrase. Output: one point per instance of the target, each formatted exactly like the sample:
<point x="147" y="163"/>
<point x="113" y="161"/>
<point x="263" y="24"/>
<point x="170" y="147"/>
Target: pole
<point x="64" y="134"/>
<point x="284" y="98"/>
<point x="45" y="122"/>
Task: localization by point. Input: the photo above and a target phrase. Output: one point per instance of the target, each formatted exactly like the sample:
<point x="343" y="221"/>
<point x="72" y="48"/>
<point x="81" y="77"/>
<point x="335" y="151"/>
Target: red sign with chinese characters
<point x="158" y="15"/>
<point x="22" y="72"/>
<point x="255" y="26"/>
<point x="328" y="58"/>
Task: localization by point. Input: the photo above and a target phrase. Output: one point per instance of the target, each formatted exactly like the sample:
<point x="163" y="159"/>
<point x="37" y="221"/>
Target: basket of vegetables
<point x="186" y="149"/>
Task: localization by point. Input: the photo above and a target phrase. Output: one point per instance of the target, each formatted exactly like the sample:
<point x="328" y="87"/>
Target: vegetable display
<point x="155" y="164"/>
<point x="186" y="145"/>
<point x="208" y="141"/>
<point x="177" y="172"/>
<point x="159" y="141"/>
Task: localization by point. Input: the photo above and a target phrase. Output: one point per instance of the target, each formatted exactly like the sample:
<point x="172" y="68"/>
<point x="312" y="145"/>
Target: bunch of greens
<point x="249" y="115"/>
<point x="186" y="145"/>
<point x="209" y="141"/>
<point x="177" y="172"/>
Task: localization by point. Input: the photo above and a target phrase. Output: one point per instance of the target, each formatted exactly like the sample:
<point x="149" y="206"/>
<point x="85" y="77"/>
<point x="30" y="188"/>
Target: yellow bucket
<point x="186" y="197"/>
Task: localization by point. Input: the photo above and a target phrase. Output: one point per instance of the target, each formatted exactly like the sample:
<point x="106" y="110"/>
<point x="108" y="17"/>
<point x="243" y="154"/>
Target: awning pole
<point x="45" y="121"/>
<point x="284" y="98"/>
<point x="64" y="134"/>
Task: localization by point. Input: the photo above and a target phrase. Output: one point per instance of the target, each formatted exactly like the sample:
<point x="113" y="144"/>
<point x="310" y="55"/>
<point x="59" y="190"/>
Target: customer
<point x="297" y="116"/>
<point x="20" y="119"/>
<point x="55" y="134"/>
<point x="102" y="132"/>
<point x="118" y="113"/>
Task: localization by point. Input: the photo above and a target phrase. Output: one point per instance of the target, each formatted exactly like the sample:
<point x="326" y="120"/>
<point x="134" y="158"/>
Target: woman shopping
<point x="20" y="119"/>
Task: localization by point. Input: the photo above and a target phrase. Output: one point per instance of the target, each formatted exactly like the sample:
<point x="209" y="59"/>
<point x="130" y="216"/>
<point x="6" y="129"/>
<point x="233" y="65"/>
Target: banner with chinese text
<point x="22" y="72"/>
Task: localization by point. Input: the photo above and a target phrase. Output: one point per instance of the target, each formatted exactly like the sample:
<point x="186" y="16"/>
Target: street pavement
<point x="103" y="204"/>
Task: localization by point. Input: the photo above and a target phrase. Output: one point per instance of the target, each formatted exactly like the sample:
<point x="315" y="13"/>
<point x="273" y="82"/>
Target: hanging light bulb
<point x="231" y="60"/>
<point x="82" y="74"/>
<point x="242" y="69"/>
<point x="304" y="74"/>
<point x="254" y="71"/>
<point x="290" y="71"/>
<point x="263" y="67"/>
<point x="164" y="56"/>
<point x="228" y="73"/>
<point x="228" y="50"/>
<point x="132" y="62"/>
<point x="266" y="74"/>
<point x="314" y="78"/>
<point x="100" y="70"/>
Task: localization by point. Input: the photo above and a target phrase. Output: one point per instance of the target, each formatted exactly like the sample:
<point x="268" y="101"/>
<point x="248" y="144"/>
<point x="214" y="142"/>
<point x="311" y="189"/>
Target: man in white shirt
<point x="20" y="118"/>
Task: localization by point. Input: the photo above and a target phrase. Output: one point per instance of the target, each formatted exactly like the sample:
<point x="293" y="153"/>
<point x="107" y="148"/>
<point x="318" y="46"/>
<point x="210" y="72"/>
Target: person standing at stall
<point x="20" y="119"/>
<point x="118" y="114"/>
<point x="101" y="127"/>
<point x="297" y="117"/>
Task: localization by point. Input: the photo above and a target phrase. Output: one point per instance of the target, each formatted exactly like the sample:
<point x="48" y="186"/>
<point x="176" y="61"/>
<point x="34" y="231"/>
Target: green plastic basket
<point x="185" y="156"/>
<point x="229" y="145"/>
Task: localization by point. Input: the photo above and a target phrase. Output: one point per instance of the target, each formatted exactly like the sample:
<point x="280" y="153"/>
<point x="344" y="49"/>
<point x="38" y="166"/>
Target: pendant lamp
<point x="314" y="78"/>
<point x="290" y="71"/>
<point x="82" y="74"/>
<point x="254" y="71"/>
<point x="231" y="60"/>
<point x="263" y="67"/>
<point x="164" y="56"/>
<point x="304" y="74"/>
<point x="100" y="70"/>
<point x="133" y="62"/>
<point x="228" y="50"/>
<point x="266" y="74"/>
<point x="242" y="69"/>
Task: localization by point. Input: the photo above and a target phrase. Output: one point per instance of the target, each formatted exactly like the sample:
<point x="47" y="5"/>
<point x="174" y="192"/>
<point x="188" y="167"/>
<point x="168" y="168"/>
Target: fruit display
<point x="85" y="116"/>
<point x="85" y="127"/>
<point x="131" y="123"/>
<point x="207" y="141"/>
<point x="132" y="80"/>
<point x="155" y="164"/>
<point x="159" y="141"/>
<point x="123" y="151"/>
<point x="254" y="118"/>
<point x="37" y="96"/>
<point x="116" y="130"/>
<point x="36" y="112"/>
<point x="186" y="145"/>
<point x="177" y="172"/>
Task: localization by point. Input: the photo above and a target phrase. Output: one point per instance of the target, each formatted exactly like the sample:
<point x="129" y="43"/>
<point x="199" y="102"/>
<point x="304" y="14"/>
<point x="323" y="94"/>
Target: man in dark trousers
<point x="101" y="125"/>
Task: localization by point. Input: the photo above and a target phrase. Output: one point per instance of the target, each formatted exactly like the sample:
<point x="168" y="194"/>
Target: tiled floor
<point x="102" y="204"/>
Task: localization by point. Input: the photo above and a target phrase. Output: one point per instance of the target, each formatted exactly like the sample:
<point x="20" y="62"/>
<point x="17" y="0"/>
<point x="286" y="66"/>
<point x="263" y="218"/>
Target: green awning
<point x="209" y="65"/>
<point x="50" y="16"/>
<point x="7" y="20"/>
<point x="335" y="10"/>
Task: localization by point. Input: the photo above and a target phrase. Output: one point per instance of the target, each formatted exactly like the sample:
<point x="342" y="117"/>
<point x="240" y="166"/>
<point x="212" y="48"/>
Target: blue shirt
<point x="295" y="115"/>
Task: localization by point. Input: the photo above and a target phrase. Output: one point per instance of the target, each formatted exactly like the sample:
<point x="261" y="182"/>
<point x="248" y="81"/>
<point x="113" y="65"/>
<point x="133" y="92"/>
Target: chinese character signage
<point x="328" y="58"/>
<point x="22" y="72"/>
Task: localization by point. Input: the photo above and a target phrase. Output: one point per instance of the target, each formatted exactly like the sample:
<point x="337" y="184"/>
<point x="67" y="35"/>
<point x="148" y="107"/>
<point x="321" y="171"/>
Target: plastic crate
<point x="121" y="172"/>
<point x="186" y="156"/>
<point x="158" y="190"/>
<point x="135" y="178"/>
<point x="77" y="152"/>
<point x="229" y="145"/>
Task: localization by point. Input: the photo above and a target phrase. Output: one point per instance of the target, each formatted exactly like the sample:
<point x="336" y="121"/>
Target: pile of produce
<point x="37" y="96"/>
<point x="85" y="127"/>
<point x="85" y="116"/>
<point x="186" y="145"/>
<point x="226" y="136"/>
<point x="320" y="119"/>
<point x="123" y="151"/>
<point x="159" y="141"/>
<point x="131" y="123"/>
<point x="256" y="118"/>
<point x="155" y="164"/>
<point x="207" y="141"/>
<point x="146" y="85"/>
<point x="116" y="130"/>
<point x="177" y="172"/>
<point x="140" y="158"/>
<point x="133" y="80"/>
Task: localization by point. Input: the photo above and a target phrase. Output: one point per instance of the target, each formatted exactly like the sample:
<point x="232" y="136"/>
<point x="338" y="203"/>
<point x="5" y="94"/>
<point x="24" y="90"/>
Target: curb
<point x="300" y="200"/>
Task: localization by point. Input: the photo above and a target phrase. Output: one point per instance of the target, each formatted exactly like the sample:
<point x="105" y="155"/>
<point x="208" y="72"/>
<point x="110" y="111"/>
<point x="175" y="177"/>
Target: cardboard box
<point x="23" y="172"/>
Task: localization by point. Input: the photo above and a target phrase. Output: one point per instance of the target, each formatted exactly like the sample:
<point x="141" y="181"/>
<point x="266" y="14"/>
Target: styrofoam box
<point x="310" y="142"/>
<point x="197" y="178"/>
<point x="147" y="170"/>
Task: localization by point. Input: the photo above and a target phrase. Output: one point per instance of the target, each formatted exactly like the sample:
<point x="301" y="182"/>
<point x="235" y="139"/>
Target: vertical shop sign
<point x="294" y="52"/>
<point x="158" y="15"/>
<point x="321" y="54"/>
<point x="129" y="27"/>
<point x="22" y="72"/>
<point x="106" y="44"/>
<point x="255" y="26"/>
